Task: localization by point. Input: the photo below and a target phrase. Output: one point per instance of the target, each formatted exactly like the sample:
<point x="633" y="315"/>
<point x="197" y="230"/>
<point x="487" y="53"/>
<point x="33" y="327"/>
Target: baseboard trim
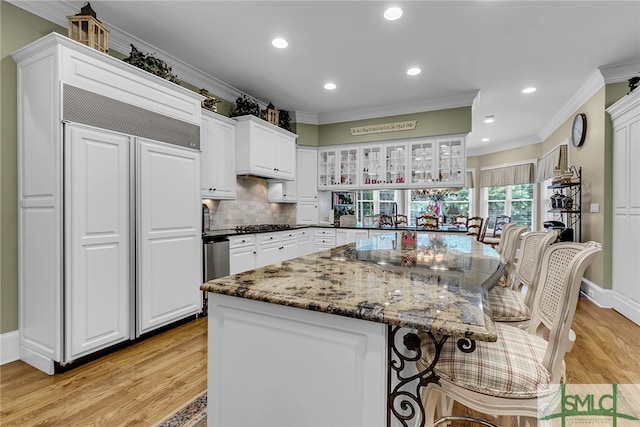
<point x="9" y="351"/>
<point x="36" y="360"/>
<point x="603" y="298"/>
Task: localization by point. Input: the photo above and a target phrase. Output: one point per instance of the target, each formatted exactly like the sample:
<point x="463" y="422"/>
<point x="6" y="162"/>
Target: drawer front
<point x="288" y="235"/>
<point x="265" y="238"/>
<point x="325" y="241"/>
<point x="242" y="241"/>
<point x="305" y="232"/>
<point x="325" y="232"/>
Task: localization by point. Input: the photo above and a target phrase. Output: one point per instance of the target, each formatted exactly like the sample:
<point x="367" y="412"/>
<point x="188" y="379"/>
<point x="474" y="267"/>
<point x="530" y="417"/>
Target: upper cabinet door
<point x="372" y="165"/>
<point x="395" y="163"/>
<point x="97" y="240"/>
<point x="327" y="165"/>
<point x="218" y="147"/>
<point x="451" y="161"/>
<point x="285" y="156"/>
<point x="263" y="149"/>
<point x="422" y="157"/>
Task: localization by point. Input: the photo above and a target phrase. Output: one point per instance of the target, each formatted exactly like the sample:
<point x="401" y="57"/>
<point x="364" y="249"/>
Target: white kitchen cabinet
<point x="265" y="150"/>
<point x="289" y="245"/>
<point x="218" y="147"/>
<point x="243" y="254"/>
<point x="324" y="238"/>
<point x="307" y="180"/>
<point x="338" y="167"/>
<point x="625" y="116"/>
<point x="438" y="161"/>
<point x="78" y="238"/>
<point x="97" y="240"/>
<point x="383" y="165"/>
<point x="307" y="176"/>
<point x="344" y="236"/>
<point x="282" y="191"/>
<point x="169" y="243"/>
<point x="271" y="247"/>
<point x="304" y="242"/>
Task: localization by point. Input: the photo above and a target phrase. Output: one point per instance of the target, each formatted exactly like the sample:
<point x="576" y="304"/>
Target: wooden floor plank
<point x="142" y="384"/>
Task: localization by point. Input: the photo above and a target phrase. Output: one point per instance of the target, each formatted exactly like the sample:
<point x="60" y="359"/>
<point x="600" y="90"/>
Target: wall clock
<point x="579" y="129"/>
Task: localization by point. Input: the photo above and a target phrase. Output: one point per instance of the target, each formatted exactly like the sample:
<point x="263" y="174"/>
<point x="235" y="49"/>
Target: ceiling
<point x="480" y="53"/>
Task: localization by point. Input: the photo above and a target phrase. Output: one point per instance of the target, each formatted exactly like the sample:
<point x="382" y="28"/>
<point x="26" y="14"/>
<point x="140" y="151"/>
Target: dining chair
<point x="501" y="221"/>
<point x="427" y="221"/>
<point x="474" y="226"/>
<point x="508" y="377"/>
<point x="512" y="303"/>
<point x="348" y="221"/>
<point x="385" y="220"/>
<point x="461" y="220"/>
<point x="371" y="220"/>
<point x="401" y="219"/>
<point x="483" y="230"/>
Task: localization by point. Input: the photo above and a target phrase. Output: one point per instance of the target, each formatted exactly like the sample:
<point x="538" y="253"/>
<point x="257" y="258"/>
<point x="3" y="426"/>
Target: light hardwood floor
<point x="142" y="384"/>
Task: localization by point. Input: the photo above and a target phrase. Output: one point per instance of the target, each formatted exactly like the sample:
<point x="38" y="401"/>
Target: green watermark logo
<point x="591" y="404"/>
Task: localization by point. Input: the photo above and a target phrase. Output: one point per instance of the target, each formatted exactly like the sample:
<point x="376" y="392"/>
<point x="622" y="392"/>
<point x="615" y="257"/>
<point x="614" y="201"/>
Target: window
<point x="371" y="202"/>
<point x="516" y="201"/>
<point x="421" y="202"/>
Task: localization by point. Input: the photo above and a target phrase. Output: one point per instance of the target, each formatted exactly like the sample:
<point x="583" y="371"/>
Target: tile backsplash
<point x="249" y="207"/>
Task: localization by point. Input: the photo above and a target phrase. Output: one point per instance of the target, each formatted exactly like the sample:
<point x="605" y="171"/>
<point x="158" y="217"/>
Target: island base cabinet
<point x="273" y="365"/>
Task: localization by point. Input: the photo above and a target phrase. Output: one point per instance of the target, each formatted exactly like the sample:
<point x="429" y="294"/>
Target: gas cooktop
<point x="256" y="228"/>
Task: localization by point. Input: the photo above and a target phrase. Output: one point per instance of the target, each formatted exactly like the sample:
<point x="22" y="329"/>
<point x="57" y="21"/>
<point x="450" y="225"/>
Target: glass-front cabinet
<point x="396" y="163"/>
<point x="414" y="163"/>
<point x="338" y="167"/>
<point x="422" y="162"/>
<point x="438" y="161"/>
<point x="327" y="162"/>
<point x="371" y="165"/>
<point x="383" y="165"/>
<point x="451" y="160"/>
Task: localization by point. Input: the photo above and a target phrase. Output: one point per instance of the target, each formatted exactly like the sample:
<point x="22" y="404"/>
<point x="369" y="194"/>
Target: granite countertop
<point x="226" y="232"/>
<point x="437" y="287"/>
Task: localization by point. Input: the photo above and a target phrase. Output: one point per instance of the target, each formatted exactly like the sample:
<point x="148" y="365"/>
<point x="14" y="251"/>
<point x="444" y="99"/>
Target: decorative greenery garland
<point x="151" y="64"/>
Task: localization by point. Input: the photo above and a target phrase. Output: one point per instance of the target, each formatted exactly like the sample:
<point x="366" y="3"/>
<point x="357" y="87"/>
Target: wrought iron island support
<point x="402" y="404"/>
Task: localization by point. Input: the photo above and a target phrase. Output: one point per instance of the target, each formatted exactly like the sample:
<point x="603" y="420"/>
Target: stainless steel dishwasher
<point x="216" y="257"/>
<point x="215" y="262"/>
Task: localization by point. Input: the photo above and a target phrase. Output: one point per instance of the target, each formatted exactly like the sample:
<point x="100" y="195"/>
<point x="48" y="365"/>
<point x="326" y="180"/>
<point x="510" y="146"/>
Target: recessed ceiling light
<point x="279" y="43"/>
<point x="489" y="119"/>
<point x="392" y="13"/>
<point x="529" y="90"/>
<point x="414" y="71"/>
<point x="330" y="86"/>
<point x="485" y="140"/>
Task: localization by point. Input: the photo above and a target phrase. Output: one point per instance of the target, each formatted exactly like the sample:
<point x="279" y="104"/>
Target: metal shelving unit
<point x="572" y="214"/>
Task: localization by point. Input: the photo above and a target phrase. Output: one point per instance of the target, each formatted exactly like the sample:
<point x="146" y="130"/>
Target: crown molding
<point x="594" y="83"/>
<point x="620" y="73"/>
<point x="57" y="11"/>
<point x="464" y="99"/>
<point x="305" y="117"/>
<point x="493" y="148"/>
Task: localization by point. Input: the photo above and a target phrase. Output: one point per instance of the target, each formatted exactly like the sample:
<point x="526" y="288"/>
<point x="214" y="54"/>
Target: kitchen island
<point x="314" y="340"/>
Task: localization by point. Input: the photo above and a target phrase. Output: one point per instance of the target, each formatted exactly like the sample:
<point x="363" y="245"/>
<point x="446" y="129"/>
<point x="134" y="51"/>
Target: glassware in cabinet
<point x="422" y="171"/>
<point x="371" y="165"/>
<point x="451" y="163"/>
<point x="327" y="168"/>
<point x="396" y="163"/>
<point x="348" y="166"/>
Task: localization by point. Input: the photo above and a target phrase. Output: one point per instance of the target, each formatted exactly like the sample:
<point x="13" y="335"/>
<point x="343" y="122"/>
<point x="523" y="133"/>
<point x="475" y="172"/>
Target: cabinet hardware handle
<point x="254" y="252"/>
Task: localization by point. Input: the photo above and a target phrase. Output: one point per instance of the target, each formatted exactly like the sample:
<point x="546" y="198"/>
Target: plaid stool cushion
<point x="510" y="367"/>
<point x="508" y="305"/>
